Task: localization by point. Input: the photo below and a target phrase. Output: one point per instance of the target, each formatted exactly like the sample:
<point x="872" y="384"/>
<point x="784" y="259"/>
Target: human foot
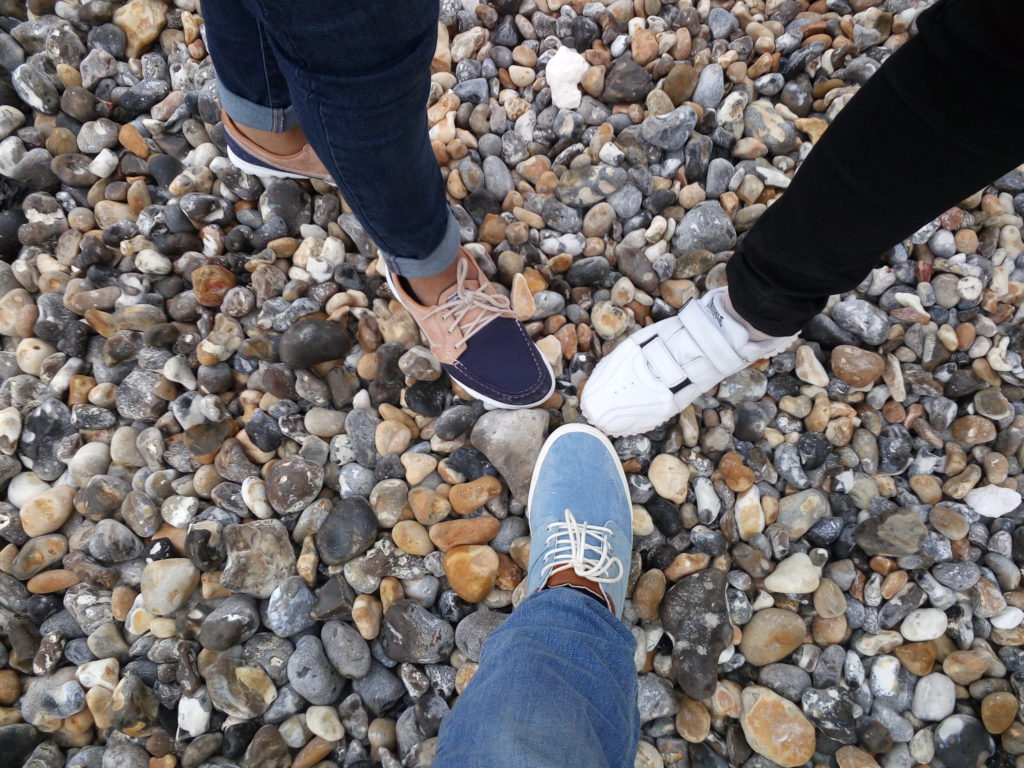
<point x="476" y="337"/>
<point x="251" y="151"/>
<point x="581" y="518"/>
<point x="661" y="369"/>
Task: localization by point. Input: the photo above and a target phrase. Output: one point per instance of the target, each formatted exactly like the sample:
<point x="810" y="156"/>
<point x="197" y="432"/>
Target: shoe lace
<point x="583" y="547"/>
<point x="487" y="306"/>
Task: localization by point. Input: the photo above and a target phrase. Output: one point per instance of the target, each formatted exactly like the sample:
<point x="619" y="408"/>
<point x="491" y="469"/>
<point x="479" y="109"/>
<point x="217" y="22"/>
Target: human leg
<point x="361" y="100"/>
<point x="930" y="148"/>
<point x="556" y="687"/>
<point x="252" y="87"/>
<point x="921" y="107"/>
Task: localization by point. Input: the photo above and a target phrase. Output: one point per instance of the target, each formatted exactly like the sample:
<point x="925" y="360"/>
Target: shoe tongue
<point x="448" y="295"/>
<point x="732" y="328"/>
<point x="451" y="293"/>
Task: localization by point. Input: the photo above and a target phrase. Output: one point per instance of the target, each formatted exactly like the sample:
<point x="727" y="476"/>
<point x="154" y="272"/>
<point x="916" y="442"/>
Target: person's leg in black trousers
<point x="940" y="119"/>
<point x="937" y="122"/>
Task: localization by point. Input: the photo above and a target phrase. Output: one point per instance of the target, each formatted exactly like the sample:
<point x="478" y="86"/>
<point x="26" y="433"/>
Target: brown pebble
<point x="316" y="749"/>
<point x="471" y="570"/>
<point x="855" y="757"/>
<point x="998" y="711"/>
<point x="210" y="283"/>
<point x="455" y="533"/>
<point x="648" y="594"/>
<point x="738" y="476"/>
<point x="10" y="687"/>
<point x="55" y="580"/>
<point x="469" y="497"/>
<point x="693" y="721"/>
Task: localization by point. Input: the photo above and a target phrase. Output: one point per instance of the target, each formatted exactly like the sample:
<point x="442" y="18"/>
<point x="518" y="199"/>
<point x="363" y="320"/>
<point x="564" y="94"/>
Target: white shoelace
<point x="567" y="547"/>
<point x="467" y="300"/>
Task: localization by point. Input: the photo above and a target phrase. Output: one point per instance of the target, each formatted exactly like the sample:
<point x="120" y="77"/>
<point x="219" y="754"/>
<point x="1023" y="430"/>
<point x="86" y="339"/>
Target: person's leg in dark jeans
<point x="360" y="97"/>
<point x="916" y="139"/>
<point x="942" y="124"/>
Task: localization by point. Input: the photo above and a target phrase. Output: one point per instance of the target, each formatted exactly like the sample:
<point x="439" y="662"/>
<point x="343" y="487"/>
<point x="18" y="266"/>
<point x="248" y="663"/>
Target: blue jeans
<point x="556" y="688"/>
<point x="355" y="75"/>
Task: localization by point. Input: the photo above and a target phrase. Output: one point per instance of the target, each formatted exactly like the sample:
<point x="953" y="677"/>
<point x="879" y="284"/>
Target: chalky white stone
<point x="934" y="697"/>
<point x="924" y="624"/>
<point x="795" y="575"/>
<point x="563" y="73"/>
<point x="993" y="500"/>
<point x="194" y="713"/>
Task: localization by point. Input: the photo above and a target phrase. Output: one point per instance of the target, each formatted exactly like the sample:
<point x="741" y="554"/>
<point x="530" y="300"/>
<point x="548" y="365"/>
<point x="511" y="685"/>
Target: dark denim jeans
<point x="355" y="75"/>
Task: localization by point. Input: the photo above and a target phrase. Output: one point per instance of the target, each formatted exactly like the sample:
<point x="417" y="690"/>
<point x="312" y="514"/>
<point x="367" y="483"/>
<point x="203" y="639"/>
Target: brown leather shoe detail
<point x="462" y="310"/>
<point x="569" y="577"/>
<point x="302" y="163"/>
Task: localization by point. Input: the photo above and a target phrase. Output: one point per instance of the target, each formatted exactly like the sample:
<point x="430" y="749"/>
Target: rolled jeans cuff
<point x="438" y="260"/>
<point x="252" y="115"/>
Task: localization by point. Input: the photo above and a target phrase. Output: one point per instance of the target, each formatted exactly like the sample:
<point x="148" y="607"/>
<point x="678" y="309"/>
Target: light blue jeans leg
<point x="556" y="688"/>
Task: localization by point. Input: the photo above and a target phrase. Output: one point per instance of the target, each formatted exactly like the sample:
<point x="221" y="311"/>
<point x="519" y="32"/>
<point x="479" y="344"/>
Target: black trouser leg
<point x="943" y="117"/>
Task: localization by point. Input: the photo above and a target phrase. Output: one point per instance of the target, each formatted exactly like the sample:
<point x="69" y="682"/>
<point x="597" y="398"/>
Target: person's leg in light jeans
<point x="556" y="688"/>
<point x="356" y="76"/>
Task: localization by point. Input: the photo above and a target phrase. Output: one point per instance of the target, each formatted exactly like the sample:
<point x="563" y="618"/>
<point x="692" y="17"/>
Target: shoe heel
<point x="261" y="170"/>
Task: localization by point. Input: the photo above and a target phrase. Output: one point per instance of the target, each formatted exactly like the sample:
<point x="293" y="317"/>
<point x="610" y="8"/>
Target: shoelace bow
<point x="590" y="559"/>
<point x="487" y="306"/>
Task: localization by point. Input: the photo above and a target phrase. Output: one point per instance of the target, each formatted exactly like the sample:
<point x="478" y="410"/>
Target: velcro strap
<point x="707" y="335"/>
<point x="661" y="362"/>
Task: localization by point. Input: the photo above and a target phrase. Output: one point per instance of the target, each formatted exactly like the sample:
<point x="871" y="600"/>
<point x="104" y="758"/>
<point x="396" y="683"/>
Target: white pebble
<point x="1008" y="618"/>
<point x="924" y="624"/>
<point x="934" y="697"/>
<point x="25" y="486"/>
<point x="993" y="500"/>
<point x="564" y="72"/>
<point x="90" y="460"/>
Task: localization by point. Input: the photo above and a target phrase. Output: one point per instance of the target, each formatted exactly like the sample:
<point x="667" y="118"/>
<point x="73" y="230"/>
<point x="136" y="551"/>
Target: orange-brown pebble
<point x="469" y="497"/>
<point x="10" y="687"/>
<point x="471" y="570"/>
<point x="473" y="530"/>
<point x="314" y="751"/>
<point x="51" y="581"/>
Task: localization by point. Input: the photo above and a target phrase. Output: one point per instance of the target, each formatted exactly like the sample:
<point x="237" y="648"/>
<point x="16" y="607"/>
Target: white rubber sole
<point x="565" y="430"/>
<point x="262" y="170"/>
<point x="488" y="402"/>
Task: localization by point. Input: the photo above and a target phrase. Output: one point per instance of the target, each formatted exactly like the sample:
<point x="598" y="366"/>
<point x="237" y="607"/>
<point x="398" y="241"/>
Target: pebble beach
<point x="246" y="521"/>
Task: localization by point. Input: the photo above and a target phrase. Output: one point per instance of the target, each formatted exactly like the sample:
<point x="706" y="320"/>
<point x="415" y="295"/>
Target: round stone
<point x="471" y="570"/>
<point x="771" y="635"/>
<point x="167" y="584"/>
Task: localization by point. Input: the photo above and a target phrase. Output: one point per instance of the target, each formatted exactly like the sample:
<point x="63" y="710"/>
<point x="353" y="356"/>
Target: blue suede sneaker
<point x="581" y="517"/>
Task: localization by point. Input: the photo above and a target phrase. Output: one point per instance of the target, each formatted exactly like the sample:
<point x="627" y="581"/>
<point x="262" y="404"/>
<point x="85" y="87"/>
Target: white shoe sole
<point x="553" y="438"/>
<point x="488" y="402"/>
<point x="265" y="171"/>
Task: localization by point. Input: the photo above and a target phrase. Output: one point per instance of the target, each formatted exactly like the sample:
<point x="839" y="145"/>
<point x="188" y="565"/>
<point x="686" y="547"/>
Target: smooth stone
<point x="771" y="635"/>
<point x="167" y="584"/>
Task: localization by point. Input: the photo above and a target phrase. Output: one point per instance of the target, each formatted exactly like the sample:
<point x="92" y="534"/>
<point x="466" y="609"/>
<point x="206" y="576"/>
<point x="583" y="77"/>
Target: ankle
<point x="279" y="143"/>
<point x="569" y="578"/>
<point x="755" y="334"/>
<point x="428" y="290"/>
